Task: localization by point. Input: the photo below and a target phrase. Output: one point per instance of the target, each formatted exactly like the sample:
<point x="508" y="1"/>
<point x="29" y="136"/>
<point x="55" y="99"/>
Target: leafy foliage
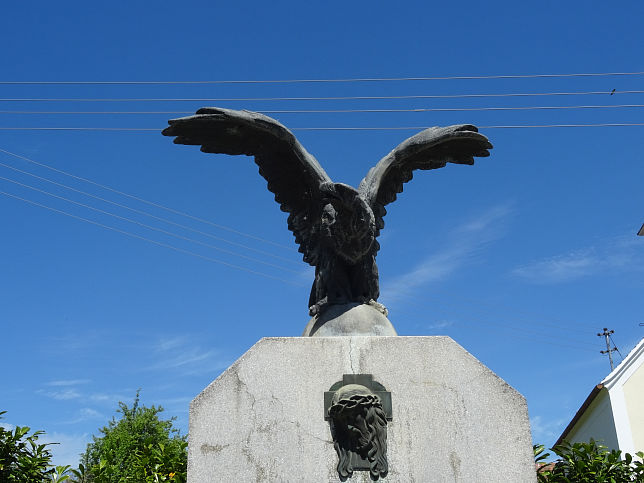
<point x="588" y="463"/>
<point x="24" y="460"/>
<point x="139" y="447"/>
<point x="540" y="457"/>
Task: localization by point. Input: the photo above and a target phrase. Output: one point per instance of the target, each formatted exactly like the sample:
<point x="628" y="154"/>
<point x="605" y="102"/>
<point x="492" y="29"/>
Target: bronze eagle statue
<point x="334" y="224"/>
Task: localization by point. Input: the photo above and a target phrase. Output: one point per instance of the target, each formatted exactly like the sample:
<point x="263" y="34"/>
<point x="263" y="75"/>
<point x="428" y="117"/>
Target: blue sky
<point x="521" y="258"/>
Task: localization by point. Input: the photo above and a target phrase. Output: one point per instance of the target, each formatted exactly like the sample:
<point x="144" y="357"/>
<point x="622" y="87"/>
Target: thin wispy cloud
<point x="86" y="414"/>
<point x="68" y="382"/>
<point x="62" y="395"/>
<point x="546" y="431"/>
<point x="109" y="398"/>
<point x="186" y="356"/>
<point x="171" y="343"/>
<point x="440" y="324"/>
<point x="80" y="342"/>
<point x="613" y="255"/>
<point x="461" y="245"/>
<point x="72" y="393"/>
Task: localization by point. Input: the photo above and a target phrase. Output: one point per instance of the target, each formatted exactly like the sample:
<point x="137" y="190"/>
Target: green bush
<point x="138" y="447"/>
<point x="588" y="463"/>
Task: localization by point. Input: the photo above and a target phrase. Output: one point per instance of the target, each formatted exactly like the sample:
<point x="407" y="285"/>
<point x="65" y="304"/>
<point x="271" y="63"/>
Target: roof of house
<point x="609" y="381"/>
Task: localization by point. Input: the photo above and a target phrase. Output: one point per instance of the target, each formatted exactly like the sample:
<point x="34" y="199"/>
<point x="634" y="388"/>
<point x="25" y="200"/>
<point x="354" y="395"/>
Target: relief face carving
<point x="359" y="430"/>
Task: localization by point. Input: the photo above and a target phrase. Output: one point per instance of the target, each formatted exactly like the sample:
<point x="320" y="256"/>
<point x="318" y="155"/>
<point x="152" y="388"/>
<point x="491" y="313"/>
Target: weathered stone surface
<point x="453" y="419"/>
<point x="349" y="319"/>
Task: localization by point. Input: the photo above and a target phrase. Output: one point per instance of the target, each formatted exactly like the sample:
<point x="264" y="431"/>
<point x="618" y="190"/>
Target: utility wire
<point x="344" y="111"/>
<point x="576" y="327"/>
<point x="338" y="98"/>
<point x="165" y="220"/>
<point x="526" y="333"/>
<point x="150" y="203"/>
<point x="298" y="81"/>
<point x="149" y="227"/>
<point x="615" y="347"/>
<point x="493" y="309"/>
<point x="383" y="128"/>
<point x="408" y="128"/>
<point x="519" y="331"/>
<point x="165" y="245"/>
<point x="531" y="332"/>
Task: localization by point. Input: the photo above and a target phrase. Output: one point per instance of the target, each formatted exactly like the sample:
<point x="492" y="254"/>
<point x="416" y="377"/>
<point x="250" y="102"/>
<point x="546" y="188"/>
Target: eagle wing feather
<point x="294" y="176"/>
<point x="429" y="149"/>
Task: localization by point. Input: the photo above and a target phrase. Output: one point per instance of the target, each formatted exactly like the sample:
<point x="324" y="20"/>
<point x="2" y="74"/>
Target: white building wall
<point x="634" y="396"/>
<point x="597" y="423"/>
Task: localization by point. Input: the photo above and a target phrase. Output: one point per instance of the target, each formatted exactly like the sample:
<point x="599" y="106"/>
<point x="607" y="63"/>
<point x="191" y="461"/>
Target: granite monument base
<point x="453" y="420"/>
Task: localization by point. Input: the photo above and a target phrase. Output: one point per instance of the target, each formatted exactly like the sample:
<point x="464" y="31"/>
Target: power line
<point x="78" y="129"/>
<point x="147" y="202"/>
<point x="337" y="98"/>
<point x="298" y="81"/>
<point x="493" y="308"/>
<point x="408" y="128"/>
<point x="165" y="245"/>
<point x="165" y="220"/>
<point x="149" y="227"/>
<point x="529" y="333"/>
<point x="520" y="331"/>
<point x="345" y="111"/>
<point x="615" y="346"/>
<point x="478" y="313"/>
<point x="379" y="128"/>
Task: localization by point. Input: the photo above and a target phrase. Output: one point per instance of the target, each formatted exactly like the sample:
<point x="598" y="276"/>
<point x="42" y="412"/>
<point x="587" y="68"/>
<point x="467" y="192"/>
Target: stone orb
<point x="347" y="320"/>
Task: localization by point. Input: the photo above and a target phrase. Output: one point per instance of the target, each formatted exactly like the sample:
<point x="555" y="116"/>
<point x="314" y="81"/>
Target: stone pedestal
<point x="453" y="420"/>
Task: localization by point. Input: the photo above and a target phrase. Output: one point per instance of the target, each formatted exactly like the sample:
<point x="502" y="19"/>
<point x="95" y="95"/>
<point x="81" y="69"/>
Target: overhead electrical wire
<point x="549" y="342"/>
<point x="203" y="257"/>
<point x="493" y="308"/>
<point x="149" y="227"/>
<point x="530" y="333"/>
<point x="615" y="346"/>
<point x="508" y="126"/>
<point x="298" y="81"/>
<point x="305" y="128"/>
<point x="196" y="241"/>
<point x="471" y="302"/>
<point x="483" y="323"/>
<point x="382" y="128"/>
<point x="535" y="333"/>
<point x="346" y="111"/>
<point x="165" y="245"/>
<point x="141" y="212"/>
<point x="147" y="202"/>
<point x="332" y="98"/>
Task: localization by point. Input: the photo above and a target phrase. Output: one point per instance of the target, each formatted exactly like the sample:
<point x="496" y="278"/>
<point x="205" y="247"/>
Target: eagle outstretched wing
<point x="294" y="176"/>
<point x="429" y="149"/>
